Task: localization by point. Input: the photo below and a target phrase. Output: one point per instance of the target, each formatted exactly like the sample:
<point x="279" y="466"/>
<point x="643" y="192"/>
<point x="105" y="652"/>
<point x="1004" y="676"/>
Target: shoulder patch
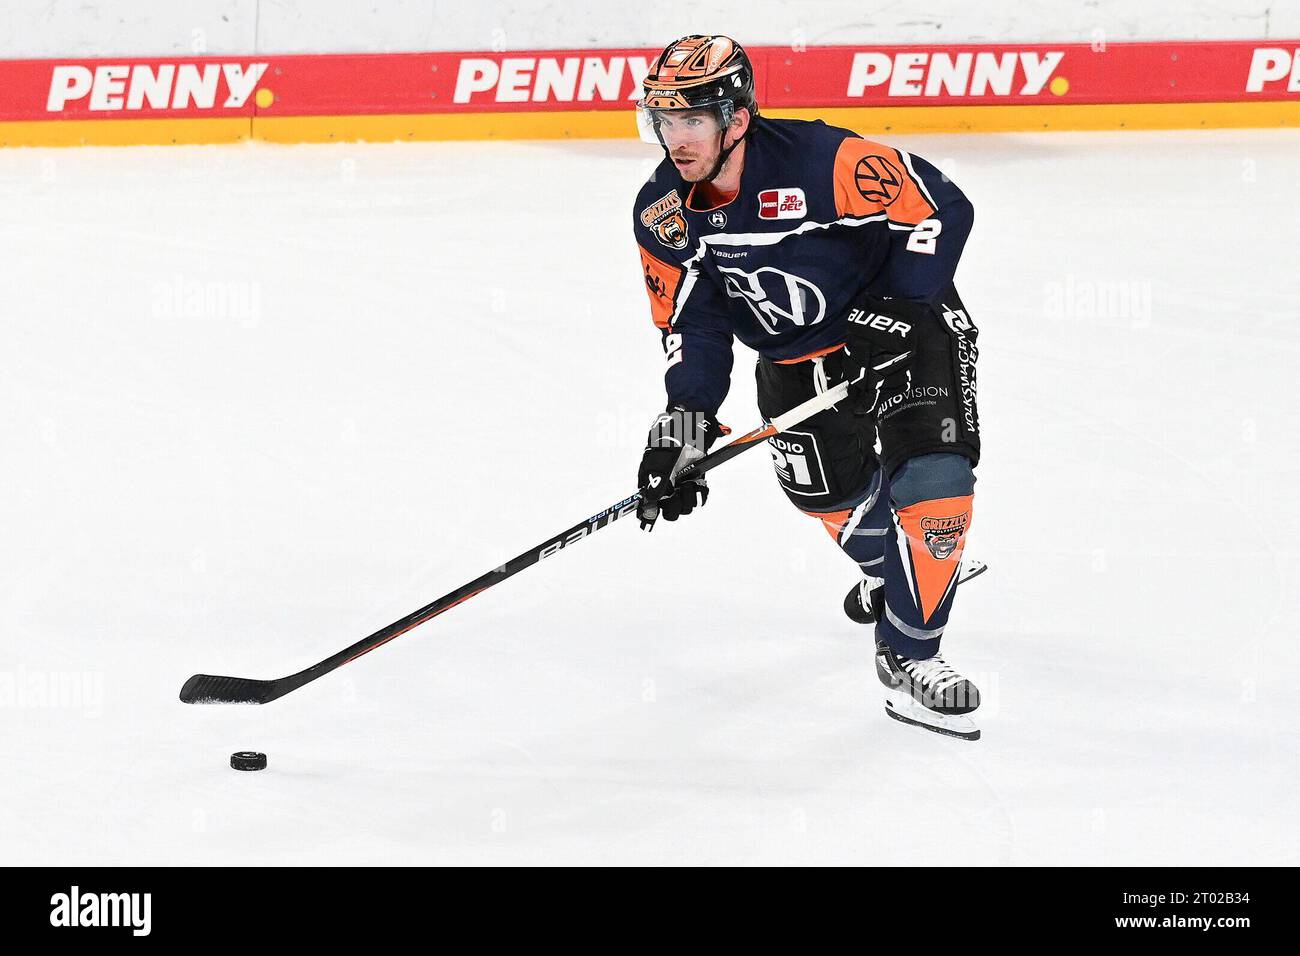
<point x="877" y="179"/>
<point x="664" y="218"/>
<point x="871" y="179"/>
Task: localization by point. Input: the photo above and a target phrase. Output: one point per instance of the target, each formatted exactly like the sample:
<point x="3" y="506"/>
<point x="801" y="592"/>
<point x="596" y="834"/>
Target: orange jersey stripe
<point x="661" y="282"/>
<point x="811" y="355"/>
<point x="871" y="178"/>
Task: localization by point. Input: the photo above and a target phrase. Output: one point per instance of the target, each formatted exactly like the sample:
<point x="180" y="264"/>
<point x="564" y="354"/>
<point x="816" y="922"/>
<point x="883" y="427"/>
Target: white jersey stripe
<point x="772" y="238"/>
<point x="907" y="161"/>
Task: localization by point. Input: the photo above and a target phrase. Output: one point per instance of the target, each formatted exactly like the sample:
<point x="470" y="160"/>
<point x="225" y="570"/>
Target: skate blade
<point x="902" y="708"/>
<point x="970" y="568"/>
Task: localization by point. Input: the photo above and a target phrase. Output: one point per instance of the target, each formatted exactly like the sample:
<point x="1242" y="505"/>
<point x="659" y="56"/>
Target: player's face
<point x="693" y="141"/>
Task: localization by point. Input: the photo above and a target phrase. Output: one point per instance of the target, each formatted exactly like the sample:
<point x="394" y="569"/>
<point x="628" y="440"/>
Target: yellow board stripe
<point x="619" y="124"/>
<point x="593" y="124"/>
<point x="126" y="132"/>
<point x="1102" y="116"/>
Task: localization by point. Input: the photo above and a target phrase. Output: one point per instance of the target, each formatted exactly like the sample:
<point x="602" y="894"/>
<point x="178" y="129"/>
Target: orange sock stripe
<point x="832" y="521"/>
<point x="936" y="534"/>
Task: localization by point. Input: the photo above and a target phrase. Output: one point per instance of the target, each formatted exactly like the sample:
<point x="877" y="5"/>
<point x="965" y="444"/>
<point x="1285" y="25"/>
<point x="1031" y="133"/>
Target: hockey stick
<point x="211" y="689"/>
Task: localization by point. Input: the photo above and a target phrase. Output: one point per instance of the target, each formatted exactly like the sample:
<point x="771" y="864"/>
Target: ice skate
<point x="927" y="693"/>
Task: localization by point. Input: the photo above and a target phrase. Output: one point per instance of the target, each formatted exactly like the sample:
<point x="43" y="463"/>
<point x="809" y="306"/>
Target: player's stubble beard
<point x="701" y="166"/>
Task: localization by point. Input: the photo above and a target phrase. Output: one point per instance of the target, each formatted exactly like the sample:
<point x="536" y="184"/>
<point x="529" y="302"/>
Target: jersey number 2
<point x="673" y="347"/>
<point x="925" y="237"/>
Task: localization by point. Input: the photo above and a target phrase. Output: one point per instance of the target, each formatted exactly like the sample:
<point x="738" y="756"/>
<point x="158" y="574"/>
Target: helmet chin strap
<point x="723" y="153"/>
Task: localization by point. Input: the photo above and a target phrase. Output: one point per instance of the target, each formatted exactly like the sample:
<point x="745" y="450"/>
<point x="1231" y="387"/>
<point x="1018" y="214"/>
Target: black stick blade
<point x="209" y="689"/>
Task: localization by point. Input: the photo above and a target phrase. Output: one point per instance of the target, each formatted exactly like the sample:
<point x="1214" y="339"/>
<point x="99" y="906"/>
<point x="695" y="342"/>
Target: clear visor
<point x="680" y="127"/>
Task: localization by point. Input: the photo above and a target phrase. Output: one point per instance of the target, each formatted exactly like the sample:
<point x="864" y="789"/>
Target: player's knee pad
<point x="930" y="477"/>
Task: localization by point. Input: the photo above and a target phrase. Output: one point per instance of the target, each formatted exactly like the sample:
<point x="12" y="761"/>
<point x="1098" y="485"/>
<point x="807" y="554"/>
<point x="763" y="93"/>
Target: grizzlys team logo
<point x="878" y="179"/>
<point x="943" y="534"/>
<point x="664" y="218"/>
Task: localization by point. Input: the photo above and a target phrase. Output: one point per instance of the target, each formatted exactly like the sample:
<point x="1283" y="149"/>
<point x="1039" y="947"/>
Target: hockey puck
<point x="248" y="760"/>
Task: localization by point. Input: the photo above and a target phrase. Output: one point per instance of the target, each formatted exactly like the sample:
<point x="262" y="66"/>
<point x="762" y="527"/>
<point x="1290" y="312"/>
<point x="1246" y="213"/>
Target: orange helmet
<point x="700" y="71"/>
<point x="711" y="77"/>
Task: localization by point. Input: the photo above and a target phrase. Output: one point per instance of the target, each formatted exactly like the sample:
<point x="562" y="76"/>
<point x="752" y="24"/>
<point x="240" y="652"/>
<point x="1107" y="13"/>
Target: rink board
<point x="588" y="94"/>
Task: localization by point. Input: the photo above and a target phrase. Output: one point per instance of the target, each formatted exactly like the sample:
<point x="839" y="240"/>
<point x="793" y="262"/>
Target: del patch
<point x="782" y="204"/>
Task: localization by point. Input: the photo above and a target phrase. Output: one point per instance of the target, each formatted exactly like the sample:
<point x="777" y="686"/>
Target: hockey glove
<point x="879" y="347"/>
<point x="677" y="438"/>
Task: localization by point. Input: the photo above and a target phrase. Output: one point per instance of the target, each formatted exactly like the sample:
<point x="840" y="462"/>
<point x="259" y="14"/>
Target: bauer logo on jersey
<point x="942" y="535"/>
<point x="782" y="204"/>
<point x="664" y="218"/>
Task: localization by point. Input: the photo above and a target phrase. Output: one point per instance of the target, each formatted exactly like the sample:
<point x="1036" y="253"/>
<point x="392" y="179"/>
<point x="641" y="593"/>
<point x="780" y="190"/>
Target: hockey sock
<point x="922" y="557"/>
<point x="861" y="526"/>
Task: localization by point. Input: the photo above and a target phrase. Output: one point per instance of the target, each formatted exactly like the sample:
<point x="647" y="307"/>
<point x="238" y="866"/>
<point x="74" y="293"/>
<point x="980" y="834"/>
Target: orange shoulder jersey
<point x="822" y="216"/>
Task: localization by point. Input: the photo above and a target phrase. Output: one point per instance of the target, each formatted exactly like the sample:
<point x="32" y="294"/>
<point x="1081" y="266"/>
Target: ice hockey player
<point x="833" y="257"/>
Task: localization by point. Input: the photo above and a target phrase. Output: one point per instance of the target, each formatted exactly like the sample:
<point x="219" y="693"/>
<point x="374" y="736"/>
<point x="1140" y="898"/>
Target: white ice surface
<point x="446" y="357"/>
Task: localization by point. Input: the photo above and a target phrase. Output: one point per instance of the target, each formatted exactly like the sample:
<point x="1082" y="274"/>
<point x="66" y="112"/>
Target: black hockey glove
<point x="879" y="347"/>
<point x="677" y="438"/>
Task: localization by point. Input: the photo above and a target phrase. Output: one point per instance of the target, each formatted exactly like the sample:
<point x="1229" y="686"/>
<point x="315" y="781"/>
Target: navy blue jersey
<point x="822" y="216"/>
